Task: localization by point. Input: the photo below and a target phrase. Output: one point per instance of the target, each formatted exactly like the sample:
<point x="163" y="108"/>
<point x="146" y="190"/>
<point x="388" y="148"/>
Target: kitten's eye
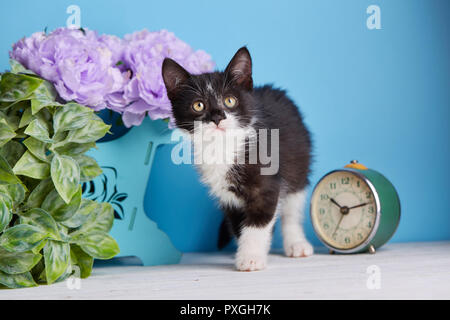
<point x="230" y="102"/>
<point x="198" y="106"/>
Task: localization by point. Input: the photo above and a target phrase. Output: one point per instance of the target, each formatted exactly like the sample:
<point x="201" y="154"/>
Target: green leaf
<point x="17" y="262"/>
<point x="84" y="261"/>
<point x="97" y="244"/>
<point x="16" y="67"/>
<point x="15" y="191"/>
<point x="3" y="117"/>
<point x="18" y="107"/>
<point x="91" y="132"/>
<point x="6" y="132"/>
<point x="65" y="175"/>
<point x="38" y="129"/>
<point x="73" y="149"/>
<point x="14" y="87"/>
<point x="43" y="220"/>
<point x="100" y="220"/>
<point x="21" y="238"/>
<point x="12" y="151"/>
<point x="89" y="169"/>
<point x="39" y="247"/>
<point x="22" y="280"/>
<point x="86" y="208"/>
<point x="12" y="117"/>
<point x="38" y="269"/>
<point x="70" y="117"/>
<point x="58" y="208"/>
<point x="39" y="193"/>
<point x="37" y="148"/>
<point x="5" y="211"/>
<point x="26" y="118"/>
<point x="67" y="273"/>
<point x="30" y="166"/>
<point x="57" y="258"/>
<point x="64" y="233"/>
<point x="36" y="106"/>
<point x="7" y="175"/>
<point x="46" y="117"/>
<point x="43" y="96"/>
<point x="59" y="138"/>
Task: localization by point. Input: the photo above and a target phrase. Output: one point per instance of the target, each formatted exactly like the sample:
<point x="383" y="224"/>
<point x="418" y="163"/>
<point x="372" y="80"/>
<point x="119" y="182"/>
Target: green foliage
<point x="46" y="228"/>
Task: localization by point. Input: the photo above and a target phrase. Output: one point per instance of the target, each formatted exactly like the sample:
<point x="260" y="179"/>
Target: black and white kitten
<point x="226" y="102"/>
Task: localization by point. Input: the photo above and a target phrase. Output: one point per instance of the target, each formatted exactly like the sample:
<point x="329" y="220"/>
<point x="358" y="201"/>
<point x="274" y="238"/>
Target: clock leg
<point x="372" y="249"/>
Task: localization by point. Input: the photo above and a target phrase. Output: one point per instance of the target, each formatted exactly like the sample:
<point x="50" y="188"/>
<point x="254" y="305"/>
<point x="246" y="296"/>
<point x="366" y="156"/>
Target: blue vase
<point x="114" y="119"/>
<point x="126" y="161"/>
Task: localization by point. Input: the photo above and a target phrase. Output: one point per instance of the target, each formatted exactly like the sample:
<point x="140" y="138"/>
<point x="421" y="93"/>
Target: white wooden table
<point x="407" y="270"/>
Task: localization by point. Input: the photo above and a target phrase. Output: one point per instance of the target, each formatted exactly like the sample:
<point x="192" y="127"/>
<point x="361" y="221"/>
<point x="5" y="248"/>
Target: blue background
<point x="379" y="96"/>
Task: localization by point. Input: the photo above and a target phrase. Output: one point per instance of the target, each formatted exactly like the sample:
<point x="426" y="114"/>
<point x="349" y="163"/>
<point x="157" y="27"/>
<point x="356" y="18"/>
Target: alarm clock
<point x="354" y="209"/>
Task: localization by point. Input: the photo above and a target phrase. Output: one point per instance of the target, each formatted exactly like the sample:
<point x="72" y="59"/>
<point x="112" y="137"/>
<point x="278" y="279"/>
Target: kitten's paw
<point x="251" y="262"/>
<point x="298" y="249"/>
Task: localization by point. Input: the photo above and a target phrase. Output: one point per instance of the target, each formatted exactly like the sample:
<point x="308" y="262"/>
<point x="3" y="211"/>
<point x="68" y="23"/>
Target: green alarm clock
<point x="354" y="209"/>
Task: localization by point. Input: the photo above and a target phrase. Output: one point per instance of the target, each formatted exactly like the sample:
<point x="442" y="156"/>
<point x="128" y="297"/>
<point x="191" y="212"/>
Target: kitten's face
<point x="220" y="100"/>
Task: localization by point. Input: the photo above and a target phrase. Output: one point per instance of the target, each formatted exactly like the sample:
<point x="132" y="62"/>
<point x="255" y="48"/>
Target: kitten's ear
<point x="173" y="75"/>
<point x="240" y="68"/>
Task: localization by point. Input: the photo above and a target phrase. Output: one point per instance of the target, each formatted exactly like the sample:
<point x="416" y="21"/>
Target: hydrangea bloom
<point x="79" y="64"/>
<point x="145" y="91"/>
<point x="106" y="71"/>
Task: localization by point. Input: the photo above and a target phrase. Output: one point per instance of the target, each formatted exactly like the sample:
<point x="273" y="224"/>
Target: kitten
<point x="225" y="104"/>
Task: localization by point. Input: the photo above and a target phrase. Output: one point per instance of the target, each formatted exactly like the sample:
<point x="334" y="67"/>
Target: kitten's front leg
<point x="253" y="247"/>
<point x="253" y="221"/>
<point x="253" y="226"/>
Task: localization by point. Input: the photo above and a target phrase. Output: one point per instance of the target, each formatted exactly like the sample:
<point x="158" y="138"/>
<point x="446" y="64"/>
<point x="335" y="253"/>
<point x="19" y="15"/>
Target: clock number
<point x="333" y="185"/>
<point x="371" y="210"/>
<point x="368" y="194"/>
<point x="358" y="184"/>
<point x="369" y="225"/>
<point x="347" y="240"/>
<point x="325" y="226"/>
<point x="360" y="236"/>
<point x="322" y="211"/>
<point x="323" y="197"/>
<point x="345" y="180"/>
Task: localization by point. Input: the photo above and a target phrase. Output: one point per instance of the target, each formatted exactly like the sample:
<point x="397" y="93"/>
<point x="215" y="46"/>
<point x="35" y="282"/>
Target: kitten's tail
<point x="225" y="235"/>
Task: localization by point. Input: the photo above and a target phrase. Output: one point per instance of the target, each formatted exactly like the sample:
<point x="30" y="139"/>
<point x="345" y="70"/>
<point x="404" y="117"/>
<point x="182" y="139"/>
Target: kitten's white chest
<point x="215" y="172"/>
<point x="216" y="153"/>
<point x="215" y="176"/>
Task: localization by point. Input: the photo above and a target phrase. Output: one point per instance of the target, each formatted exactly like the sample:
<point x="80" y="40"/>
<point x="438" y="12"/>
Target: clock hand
<point x="344" y="211"/>
<point x="334" y="201"/>
<point x="357" y="206"/>
<point x="338" y="224"/>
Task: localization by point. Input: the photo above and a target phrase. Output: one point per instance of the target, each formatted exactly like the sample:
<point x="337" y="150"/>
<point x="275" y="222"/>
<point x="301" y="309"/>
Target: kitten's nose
<point x="216" y="118"/>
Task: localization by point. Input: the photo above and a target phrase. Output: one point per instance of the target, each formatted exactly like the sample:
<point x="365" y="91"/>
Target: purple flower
<point x="117" y="47"/>
<point x="80" y="65"/>
<point x="145" y="91"/>
<point x="105" y="71"/>
<point x="26" y="51"/>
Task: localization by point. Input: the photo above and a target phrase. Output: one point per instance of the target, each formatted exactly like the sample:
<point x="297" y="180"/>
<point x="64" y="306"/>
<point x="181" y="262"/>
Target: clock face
<point x="343" y="210"/>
